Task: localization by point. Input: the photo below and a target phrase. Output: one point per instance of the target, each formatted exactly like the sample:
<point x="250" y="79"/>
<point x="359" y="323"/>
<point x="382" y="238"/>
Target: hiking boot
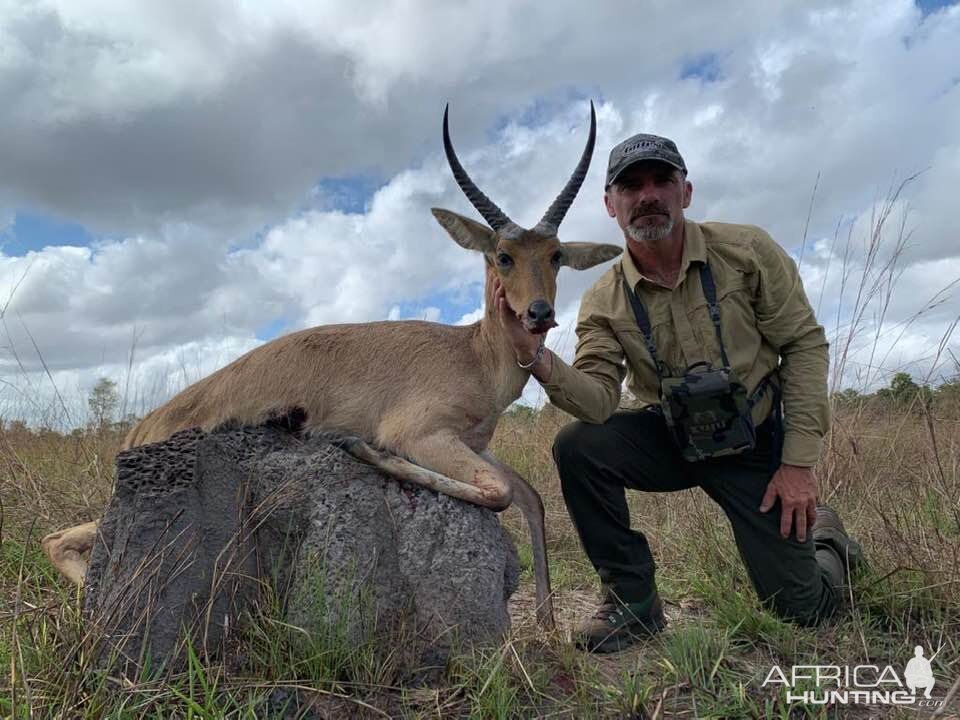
<point x="616" y="625"/>
<point x="828" y="530"/>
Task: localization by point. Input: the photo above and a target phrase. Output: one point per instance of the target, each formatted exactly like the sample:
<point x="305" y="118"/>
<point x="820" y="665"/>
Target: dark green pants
<point x="633" y="449"/>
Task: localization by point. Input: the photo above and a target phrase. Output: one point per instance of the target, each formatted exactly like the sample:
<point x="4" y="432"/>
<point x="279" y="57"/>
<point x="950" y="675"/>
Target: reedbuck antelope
<point x="418" y="400"/>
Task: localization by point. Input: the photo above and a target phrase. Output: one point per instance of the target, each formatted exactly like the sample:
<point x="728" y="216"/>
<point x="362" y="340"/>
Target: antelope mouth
<point x="537" y="328"/>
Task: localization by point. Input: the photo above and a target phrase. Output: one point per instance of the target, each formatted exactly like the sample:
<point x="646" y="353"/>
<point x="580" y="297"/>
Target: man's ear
<point x="581" y="256"/>
<point x="687" y="193"/>
<point x="467" y="233"/>
<point x="608" y="204"/>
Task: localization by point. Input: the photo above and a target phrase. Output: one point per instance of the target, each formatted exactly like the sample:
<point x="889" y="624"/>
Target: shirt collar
<point x="694" y="250"/>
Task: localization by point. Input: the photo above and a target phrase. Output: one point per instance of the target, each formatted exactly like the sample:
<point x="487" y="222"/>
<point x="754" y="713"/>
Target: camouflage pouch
<point x="707" y="412"/>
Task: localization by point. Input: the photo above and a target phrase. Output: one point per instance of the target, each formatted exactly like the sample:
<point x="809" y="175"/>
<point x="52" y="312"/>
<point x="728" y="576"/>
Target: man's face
<point x="648" y="199"/>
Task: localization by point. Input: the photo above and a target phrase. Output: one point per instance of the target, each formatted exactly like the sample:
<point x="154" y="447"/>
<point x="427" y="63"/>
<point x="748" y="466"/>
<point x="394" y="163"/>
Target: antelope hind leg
<point x="66" y="549"/>
<point x="528" y="500"/>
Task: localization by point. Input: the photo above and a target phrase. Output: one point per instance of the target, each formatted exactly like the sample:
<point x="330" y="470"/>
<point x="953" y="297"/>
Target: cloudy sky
<point x="182" y="181"/>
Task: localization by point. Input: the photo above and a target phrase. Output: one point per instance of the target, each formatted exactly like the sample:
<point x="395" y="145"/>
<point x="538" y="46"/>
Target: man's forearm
<point x="541" y="370"/>
<point x="786" y="320"/>
<point x="588" y="397"/>
<point x="803" y="374"/>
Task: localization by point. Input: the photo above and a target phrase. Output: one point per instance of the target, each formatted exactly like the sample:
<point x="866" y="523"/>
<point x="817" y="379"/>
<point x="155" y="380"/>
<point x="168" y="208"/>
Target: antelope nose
<point x="540" y="312"/>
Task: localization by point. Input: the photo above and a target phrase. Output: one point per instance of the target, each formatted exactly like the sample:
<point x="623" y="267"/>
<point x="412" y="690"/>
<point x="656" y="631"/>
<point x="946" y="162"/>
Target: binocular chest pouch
<point x="707" y="412"/>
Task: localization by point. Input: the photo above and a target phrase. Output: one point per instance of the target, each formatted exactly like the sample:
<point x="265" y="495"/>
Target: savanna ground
<point x="890" y="466"/>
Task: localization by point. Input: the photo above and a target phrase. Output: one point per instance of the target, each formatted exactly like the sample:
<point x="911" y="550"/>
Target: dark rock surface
<point x="199" y="522"/>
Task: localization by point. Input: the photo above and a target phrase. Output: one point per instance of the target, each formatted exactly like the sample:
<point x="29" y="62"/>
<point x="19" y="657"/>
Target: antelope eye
<point x="504" y="260"/>
<point x="557" y="257"/>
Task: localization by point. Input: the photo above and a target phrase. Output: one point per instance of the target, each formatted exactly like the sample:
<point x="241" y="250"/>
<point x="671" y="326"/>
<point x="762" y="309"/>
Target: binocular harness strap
<point x="710" y="293"/>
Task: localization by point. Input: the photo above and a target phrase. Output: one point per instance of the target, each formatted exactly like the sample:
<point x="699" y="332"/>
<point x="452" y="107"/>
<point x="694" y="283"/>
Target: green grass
<point x="567" y="571"/>
<point x="710" y="662"/>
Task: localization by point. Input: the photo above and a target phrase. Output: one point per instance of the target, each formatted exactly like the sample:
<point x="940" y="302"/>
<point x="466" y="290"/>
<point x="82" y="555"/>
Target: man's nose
<point x="644" y="193"/>
<point x="649" y="191"/>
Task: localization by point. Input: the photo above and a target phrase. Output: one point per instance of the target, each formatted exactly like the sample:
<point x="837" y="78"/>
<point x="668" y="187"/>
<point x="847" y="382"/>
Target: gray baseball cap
<point x="643" y="147"/>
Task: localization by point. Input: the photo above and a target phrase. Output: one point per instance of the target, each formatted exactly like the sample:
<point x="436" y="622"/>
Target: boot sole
<point x="833" y="532"/>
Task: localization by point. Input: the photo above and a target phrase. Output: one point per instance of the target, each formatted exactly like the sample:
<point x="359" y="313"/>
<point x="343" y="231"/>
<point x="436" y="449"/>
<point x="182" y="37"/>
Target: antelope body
<point x="418" y="400"/>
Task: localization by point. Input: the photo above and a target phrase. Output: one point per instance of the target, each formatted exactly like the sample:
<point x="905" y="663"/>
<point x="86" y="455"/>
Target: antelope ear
<point x="467" y="233"/>
<point x="581" y="256"/>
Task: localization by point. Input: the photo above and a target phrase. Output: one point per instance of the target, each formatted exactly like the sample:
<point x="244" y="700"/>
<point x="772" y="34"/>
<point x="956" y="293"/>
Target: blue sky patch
<point x="538" y="113"/>
<point x="272" y="329"/>
<point x="35" y="232"/>
<point x="453" y="304"/>
<point x="931" y="6"/>
<point x="350" y="194"/>
<point x="705" y="67"/>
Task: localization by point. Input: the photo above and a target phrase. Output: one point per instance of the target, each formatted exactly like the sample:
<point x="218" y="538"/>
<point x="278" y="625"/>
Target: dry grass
<point x="893" y="475"/>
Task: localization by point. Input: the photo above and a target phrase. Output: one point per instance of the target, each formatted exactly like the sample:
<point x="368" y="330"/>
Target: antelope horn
<point x="554" y="216"/>
<point x="484" y="205"/>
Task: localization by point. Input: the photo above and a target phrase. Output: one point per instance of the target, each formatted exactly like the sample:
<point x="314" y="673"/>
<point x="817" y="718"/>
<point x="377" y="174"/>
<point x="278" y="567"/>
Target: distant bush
<point x="903" y="393"/>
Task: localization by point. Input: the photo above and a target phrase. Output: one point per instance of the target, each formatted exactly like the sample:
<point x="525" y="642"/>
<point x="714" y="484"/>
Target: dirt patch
<point x="571" y="607"/>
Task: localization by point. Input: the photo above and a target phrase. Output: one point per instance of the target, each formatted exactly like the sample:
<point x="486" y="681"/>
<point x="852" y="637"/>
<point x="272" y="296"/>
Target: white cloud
<point x="470" y="317"/>
<point x="193" y="150"/>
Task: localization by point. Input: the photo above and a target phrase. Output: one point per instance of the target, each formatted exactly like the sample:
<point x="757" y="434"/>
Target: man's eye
<point x="504" y="260"/>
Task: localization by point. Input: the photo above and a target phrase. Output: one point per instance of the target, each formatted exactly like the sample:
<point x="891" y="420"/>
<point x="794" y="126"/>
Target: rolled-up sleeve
<point x="787" y="321"/>
<point x="590" y="388"/>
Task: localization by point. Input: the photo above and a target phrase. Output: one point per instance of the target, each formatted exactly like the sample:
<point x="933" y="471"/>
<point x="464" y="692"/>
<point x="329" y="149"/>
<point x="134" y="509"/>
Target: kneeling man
<point x="710" y="325"/>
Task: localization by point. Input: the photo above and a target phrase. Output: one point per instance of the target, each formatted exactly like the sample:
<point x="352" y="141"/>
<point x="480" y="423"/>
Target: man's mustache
<point x="653" y="209"/>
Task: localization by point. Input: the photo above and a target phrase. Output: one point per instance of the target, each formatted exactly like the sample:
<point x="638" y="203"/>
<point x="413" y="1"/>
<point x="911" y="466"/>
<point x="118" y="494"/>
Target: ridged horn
<point x="554" y="216"/>
<point x="484" y="205"/>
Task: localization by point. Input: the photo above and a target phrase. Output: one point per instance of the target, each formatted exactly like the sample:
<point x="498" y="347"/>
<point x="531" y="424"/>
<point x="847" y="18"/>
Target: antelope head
<point x="525" y="261"/>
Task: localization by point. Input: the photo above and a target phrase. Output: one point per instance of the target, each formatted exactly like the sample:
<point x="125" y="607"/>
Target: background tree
<point x="903" y="391"/>
<point x="848" y="397"/>
<point x="103" y="402"/>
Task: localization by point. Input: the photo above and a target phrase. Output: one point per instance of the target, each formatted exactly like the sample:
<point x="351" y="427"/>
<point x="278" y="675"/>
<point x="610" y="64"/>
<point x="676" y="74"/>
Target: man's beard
<point x="650" y="233"/>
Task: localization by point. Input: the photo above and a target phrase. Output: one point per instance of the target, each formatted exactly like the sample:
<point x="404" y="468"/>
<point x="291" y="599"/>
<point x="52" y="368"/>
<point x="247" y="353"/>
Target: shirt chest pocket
<point x="737" y="321"/>
<point x="635" y="347"/>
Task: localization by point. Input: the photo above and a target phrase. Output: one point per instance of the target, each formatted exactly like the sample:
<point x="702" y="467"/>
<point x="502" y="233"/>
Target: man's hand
<point x="797" y="489"/>
<point x="525" y="344"/>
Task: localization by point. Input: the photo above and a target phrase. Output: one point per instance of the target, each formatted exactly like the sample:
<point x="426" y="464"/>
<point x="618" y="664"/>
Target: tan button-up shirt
<point x="766" y="321"/>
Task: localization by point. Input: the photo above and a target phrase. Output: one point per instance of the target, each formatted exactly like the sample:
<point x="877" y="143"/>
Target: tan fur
<point x="388" y="382"/>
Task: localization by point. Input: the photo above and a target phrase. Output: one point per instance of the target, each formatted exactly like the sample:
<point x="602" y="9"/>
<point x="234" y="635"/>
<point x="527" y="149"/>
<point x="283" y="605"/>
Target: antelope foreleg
<point x="531" y="505"/>
<point x="417" y="474"/>
<point x="66" y="550"/>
